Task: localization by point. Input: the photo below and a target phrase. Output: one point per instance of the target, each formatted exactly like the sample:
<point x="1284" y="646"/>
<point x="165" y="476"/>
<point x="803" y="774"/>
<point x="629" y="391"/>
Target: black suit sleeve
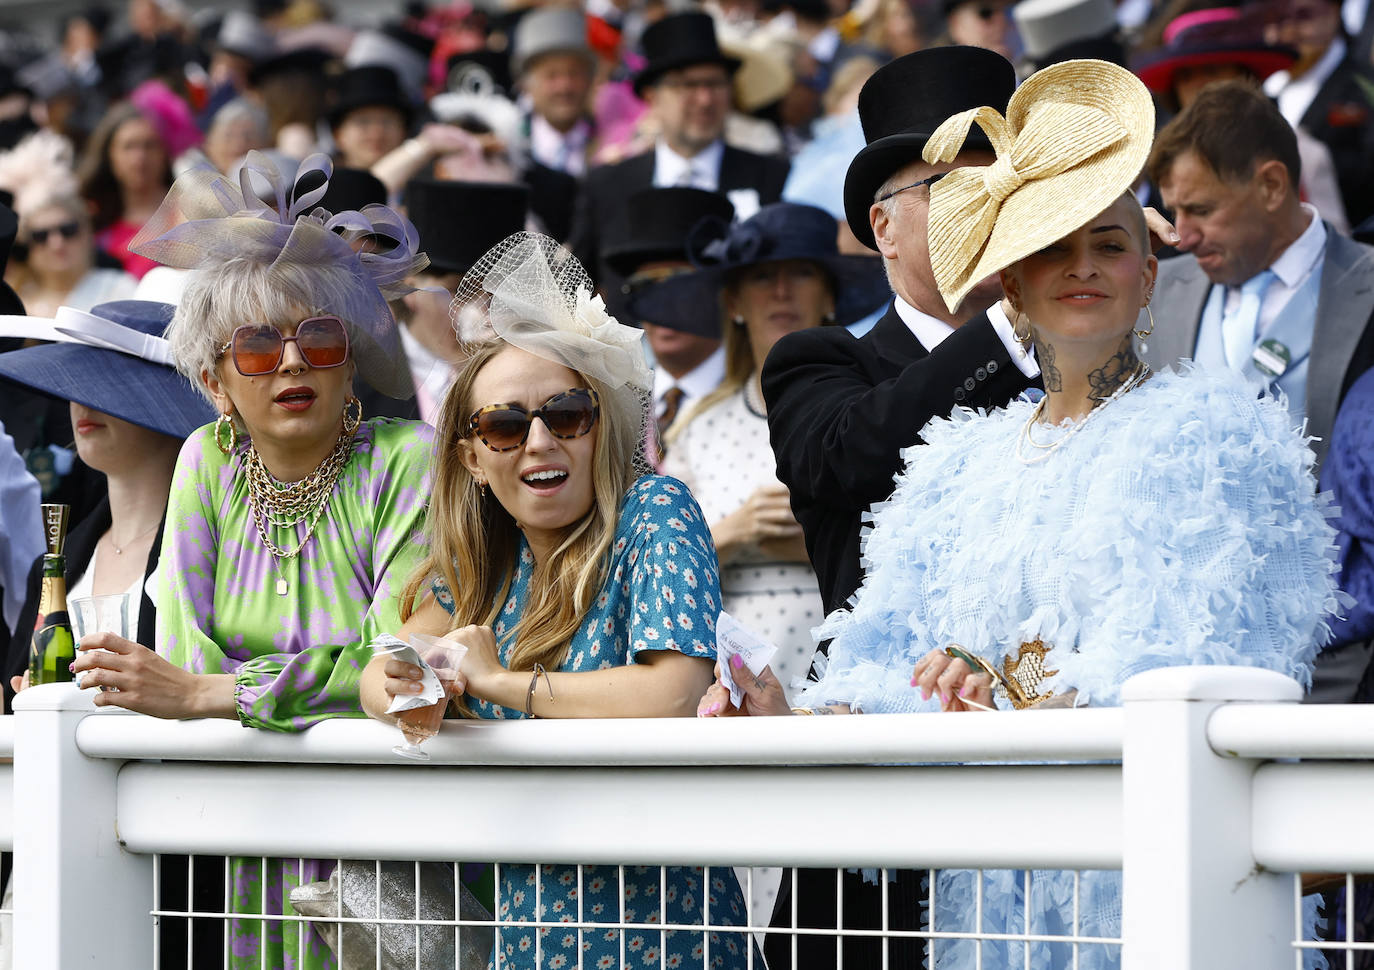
<point x="584" y="238"/>
<point x="838" y="433"/>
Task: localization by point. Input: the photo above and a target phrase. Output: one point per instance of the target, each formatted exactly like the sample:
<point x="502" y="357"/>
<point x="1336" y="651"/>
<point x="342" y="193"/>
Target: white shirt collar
<point x="696" y="383"/>
<point x="1294" y="97"/>
<point x="565" y="151"/>
<point x="1295" y="262"/>
<point x="671" y="169"/>
<point x="930" y="331"/>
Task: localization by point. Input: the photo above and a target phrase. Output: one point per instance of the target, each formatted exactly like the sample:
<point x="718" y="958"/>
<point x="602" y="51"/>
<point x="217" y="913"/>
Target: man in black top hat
<point x="648" y="245"/>
<point x="687" y="85"/>
<point x="840" y="410"/>
<point x="369" y="115"/>
<point x="457" y="223"/>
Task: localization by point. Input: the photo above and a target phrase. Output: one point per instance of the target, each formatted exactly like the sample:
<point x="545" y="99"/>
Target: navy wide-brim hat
<point x="690" y="302"/>
<point x="903" y="103"/>
<point x="126" y="384"/>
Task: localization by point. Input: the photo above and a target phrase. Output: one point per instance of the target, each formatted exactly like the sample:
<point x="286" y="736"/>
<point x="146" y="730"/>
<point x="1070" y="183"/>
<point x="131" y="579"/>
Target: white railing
<point x="1181" y="788"/>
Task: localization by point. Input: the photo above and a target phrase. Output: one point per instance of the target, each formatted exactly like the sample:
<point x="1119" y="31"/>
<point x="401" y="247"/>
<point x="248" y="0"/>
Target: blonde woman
<point x="773" y="274"/>
<point x="581" y="586"/>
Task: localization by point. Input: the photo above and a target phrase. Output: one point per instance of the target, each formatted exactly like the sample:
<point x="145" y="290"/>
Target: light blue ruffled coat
<point x="1180" y="525"/>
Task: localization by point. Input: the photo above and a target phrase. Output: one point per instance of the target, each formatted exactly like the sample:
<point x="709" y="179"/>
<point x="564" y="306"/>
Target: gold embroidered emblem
<point x="1021" y="677"/>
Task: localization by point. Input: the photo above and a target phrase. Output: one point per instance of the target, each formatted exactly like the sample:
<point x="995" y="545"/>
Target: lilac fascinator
<point x="208" y="219"/>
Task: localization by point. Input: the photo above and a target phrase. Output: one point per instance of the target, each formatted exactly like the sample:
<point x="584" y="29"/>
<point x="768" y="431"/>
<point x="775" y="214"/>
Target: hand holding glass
<point x="100" y="614"/>
<point x="419" y="724"/>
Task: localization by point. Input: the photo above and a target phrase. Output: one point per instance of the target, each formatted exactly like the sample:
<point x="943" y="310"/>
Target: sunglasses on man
<point x="257" y="348"/>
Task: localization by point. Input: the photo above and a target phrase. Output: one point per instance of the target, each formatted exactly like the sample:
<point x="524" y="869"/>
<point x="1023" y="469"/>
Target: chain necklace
<point x="1141" y="372"/>
<point x="286" y="505"/>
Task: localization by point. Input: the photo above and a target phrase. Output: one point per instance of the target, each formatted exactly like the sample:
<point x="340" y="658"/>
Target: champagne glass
<point x="100" y="614"/>
<point x="421" y="722"/>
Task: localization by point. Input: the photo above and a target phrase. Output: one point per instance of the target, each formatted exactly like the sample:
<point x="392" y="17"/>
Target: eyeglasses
<point x="930" y="181"/>
<point x="258" y="347"/>
<point x="706" y="85"/>
<point x="67" y="230"/>
<point x="504" y="427"/>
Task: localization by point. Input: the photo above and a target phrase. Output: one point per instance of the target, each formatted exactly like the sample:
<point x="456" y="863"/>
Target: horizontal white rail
<point x="1313" y="817"/>
<point x="1292" y="731"/>
<point x="758" y="816"/>
<point x="1086" y="735"/>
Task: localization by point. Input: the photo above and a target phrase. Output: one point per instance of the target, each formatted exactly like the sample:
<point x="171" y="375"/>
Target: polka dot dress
<point x="723" y="455"/>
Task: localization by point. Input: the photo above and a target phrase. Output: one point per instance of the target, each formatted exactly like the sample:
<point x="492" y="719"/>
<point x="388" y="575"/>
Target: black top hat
<point x="10" y="304"/>
<point x="777" y="232"/>
<point x="308" y="61"/>
<point x="135" y="388"/>
<point x="350" y="189"/>
<point x="366" y="87"/>
<point x="680" y="40"/>
<point x="479" y="72"/>
<point x="656" y="225"/>
<point x="903" y="103"/>
<point x="459" y="221"/>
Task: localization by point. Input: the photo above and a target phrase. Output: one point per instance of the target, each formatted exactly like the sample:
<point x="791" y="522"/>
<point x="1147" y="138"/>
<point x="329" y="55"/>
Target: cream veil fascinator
<point x="533" y="293"/>
<point x="208" y="219"/>
<point x="1075" y="137"/>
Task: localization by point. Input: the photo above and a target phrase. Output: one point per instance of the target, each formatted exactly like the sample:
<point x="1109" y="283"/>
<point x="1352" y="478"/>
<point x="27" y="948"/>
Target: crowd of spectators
<point x="370" y="247"/>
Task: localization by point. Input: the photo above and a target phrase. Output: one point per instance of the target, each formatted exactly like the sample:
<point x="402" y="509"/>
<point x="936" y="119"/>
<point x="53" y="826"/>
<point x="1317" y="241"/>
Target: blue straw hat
<point x="113" y="359"/>
<point x="690" y="302"/>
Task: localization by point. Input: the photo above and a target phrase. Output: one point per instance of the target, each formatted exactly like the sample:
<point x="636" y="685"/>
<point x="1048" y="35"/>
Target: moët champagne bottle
<point x="54" y="646"/>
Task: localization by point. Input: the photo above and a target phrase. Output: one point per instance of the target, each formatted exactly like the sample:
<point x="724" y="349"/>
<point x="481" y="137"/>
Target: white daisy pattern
<point x="662" y="580"/>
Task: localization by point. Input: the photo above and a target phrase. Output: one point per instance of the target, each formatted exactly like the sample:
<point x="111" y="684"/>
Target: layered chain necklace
<point x="1141" y="372"/>
<point x="285" y="505"/>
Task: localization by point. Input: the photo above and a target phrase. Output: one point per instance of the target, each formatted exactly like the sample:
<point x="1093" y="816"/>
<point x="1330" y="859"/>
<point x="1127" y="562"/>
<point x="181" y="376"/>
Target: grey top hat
<point x="553" y="30"/>
<point x="1046" y="25"/>
<point x="242" y="33"/>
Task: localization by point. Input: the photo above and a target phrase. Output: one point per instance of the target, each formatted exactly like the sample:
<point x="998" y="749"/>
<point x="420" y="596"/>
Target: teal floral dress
<point x="662" y="592"/>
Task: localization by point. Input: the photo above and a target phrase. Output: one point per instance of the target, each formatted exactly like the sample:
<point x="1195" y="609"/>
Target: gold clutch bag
<point x="1019" y="679"/>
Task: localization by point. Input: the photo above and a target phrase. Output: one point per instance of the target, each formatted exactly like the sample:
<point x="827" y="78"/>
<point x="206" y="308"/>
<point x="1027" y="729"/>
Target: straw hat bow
<point x="1075" y="137"/>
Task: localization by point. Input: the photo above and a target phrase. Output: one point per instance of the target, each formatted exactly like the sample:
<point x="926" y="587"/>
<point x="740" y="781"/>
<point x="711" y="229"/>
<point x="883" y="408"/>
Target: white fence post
<point x="1193" y="897"/>
<point x="81" y="901"/>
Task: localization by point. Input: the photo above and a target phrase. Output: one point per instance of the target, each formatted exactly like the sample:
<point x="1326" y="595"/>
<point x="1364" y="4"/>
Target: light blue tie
<point x="1238" y="325"/>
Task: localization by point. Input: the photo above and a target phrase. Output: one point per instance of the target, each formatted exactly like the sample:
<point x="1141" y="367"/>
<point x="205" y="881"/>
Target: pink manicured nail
<point x="925" y="694"/>
<point x="713" y="708"/>
<point x="945" y="698"/>
<point x="965" y="691"/>
<point x="914" y="681"/>
<point x="71" y="667"/>
<point x="737" y="661"/>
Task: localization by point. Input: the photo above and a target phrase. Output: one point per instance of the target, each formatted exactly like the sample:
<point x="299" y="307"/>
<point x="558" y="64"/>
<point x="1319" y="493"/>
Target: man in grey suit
<point x="1265" y="288"/>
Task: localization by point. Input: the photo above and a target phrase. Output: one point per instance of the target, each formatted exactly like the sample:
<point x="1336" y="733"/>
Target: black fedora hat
<point x="680" y="40"/>
<point x="903" y="103"/>
<point x="134" y="383"/>
<point x="367" y="87"/>
<point x="777" y="232"/>
<point x="656" y="226"/>
<point x="9" y="228"/>
<point x="459" y="222"/>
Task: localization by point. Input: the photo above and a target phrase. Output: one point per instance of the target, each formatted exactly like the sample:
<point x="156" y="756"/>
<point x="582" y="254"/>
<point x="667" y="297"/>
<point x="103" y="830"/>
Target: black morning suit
<point x="840" y="411"/>
<point x="606" y="189"/>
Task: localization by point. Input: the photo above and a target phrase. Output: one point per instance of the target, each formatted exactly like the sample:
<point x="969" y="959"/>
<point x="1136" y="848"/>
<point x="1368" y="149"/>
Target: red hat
<point x="1218" y="35"/>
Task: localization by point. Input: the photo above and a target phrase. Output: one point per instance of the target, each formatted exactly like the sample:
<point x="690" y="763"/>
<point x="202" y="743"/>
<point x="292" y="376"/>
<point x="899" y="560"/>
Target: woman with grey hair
<point x="290" y="521"/>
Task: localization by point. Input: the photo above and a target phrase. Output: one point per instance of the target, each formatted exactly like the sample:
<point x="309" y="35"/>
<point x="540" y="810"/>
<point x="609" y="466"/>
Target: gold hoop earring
<point x="1017" y="331"/>
<point x="226" y="420"/>
<point x="1142" y="334"/>
<point x="351" y="422"/>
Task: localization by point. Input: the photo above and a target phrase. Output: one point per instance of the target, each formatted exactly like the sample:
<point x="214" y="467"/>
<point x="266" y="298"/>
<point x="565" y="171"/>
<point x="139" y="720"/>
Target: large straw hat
<point x="1075" y="138"/>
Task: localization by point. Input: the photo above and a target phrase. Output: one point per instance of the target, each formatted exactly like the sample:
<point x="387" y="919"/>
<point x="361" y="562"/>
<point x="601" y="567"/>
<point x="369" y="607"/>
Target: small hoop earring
<point x="351" y="422"/>
<point x="737" y="320"/>
<point x="1142" y="334"/>
<point x="226" y="420"/>
<point x="1021" y="333"/>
